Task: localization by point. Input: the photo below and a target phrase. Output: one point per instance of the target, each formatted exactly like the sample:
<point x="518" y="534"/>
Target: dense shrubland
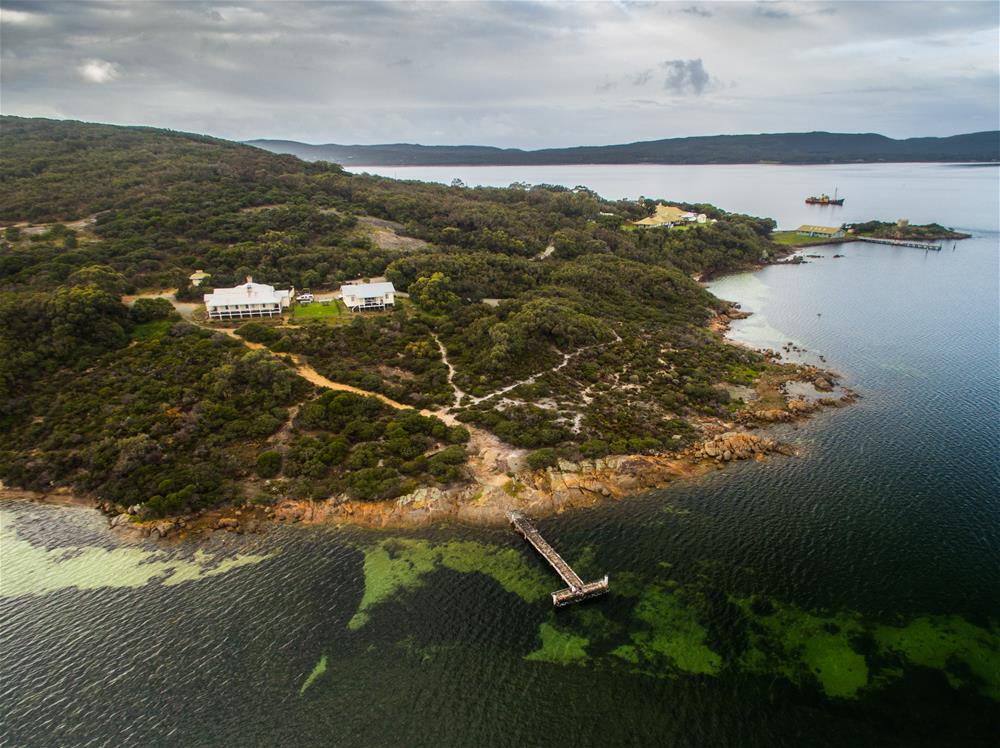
<point x="393" y="354"/>
<point x="348" y="444"/>
<point x="594" y="340"/>
<point x="93" y="403"/>
<point x="137" y="407"/>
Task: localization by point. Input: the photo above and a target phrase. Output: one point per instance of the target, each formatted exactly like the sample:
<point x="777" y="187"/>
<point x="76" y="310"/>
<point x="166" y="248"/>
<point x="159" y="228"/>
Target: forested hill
<point x="132" y="405"/>
<point x="784" y="148"/>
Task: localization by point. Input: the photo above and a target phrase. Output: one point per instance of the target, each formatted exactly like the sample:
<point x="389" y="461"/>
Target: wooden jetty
<point x="897" y="242"/>
<point x="578" y="589"/>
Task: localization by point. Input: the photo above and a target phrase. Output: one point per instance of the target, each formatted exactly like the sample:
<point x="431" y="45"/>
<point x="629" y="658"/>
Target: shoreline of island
<point x="488" y="497"/>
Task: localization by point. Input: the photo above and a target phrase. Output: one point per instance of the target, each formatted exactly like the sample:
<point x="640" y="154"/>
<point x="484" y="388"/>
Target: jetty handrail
<point x="578" y="589"/>
<point x="549" y="553"/>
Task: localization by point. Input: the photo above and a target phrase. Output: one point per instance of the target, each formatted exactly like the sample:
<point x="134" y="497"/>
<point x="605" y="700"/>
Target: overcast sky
<point x="510" y="74"/>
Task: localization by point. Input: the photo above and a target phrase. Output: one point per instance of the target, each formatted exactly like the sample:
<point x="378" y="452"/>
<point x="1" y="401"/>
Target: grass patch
<point x="332" y="311"/>
<point x="795" y="239"/>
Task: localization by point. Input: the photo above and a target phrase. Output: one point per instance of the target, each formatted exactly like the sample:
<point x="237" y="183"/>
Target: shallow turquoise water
<point x="849" y="596"/>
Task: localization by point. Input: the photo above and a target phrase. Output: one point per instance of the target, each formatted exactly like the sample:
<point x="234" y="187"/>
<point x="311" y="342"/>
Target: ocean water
<point x="847" y="596"/>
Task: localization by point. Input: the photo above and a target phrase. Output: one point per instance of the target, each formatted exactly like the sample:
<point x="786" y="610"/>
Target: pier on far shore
<point x="896" y="242"/>
<point x="578" y="589"/>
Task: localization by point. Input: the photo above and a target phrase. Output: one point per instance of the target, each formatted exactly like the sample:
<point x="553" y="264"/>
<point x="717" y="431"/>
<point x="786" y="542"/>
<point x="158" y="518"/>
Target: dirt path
<point x="567" y="357"/>
<point x="308" y="373"/>
<point x="451" y="371"/>
<point x="490" y="459"/>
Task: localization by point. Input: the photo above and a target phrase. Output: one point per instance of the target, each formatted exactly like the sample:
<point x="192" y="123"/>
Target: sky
<point x="514" y="74"/>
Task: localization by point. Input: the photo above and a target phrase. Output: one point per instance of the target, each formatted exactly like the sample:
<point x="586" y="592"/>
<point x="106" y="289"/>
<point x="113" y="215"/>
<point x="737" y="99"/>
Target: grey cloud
<point x="685" y="76"/>
<point x="527" y="74"/>
<point x="771" y="10"/>
<point x="642" y="77"/>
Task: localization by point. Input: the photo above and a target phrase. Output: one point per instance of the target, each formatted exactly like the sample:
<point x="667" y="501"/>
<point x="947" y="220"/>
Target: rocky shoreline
<point x="539" y="493"/>
<point x="504" y="485"/>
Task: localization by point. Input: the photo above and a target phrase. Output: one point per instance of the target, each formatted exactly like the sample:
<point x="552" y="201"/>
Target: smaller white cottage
<point x="249" y="300"/>
<point x="361" y="296"/>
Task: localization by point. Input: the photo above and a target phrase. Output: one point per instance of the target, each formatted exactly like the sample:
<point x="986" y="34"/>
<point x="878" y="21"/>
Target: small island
<point x="901" y="231"/>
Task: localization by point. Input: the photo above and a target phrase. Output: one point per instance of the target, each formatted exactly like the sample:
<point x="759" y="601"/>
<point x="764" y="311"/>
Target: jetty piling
<point x="578" y="589"/>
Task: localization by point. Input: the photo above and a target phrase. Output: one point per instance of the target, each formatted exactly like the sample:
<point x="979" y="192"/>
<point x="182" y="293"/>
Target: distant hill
<point x="783" y="148"/>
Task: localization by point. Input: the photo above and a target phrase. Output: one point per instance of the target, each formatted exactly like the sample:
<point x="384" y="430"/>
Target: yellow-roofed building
<point x="668" y="215"/>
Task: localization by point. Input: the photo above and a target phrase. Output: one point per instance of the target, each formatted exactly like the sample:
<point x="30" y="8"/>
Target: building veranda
<point x="360" y="297"/>
<point x="249" y="300"/>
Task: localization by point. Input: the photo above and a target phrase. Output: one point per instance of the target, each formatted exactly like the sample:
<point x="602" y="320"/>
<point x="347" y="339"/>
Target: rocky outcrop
<point x="740" y="445"/>
<point x="823" y="384"/>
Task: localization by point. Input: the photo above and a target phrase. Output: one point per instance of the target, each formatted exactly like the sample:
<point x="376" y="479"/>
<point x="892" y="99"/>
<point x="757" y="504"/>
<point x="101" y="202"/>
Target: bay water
<point x="847" y="596"/>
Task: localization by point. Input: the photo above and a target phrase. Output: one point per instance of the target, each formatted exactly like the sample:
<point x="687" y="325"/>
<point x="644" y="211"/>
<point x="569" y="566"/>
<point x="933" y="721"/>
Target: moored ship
<point x="825" y="199"/>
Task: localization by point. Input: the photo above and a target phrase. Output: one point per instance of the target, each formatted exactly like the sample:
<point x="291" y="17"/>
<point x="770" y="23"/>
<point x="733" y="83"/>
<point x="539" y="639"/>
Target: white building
<point x="249" y="300"/>
<point x="361" y="296"/>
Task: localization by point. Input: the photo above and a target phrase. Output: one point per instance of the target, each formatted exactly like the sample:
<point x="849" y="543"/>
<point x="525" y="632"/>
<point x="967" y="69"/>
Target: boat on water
<point x="825" y="199"/>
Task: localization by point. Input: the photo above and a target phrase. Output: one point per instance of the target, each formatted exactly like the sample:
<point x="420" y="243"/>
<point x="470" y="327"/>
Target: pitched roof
<point x="367" y="289"/>
<point x="818" y="229"/>
<point x="664" y="214"/>
<point x="248" y="293"/>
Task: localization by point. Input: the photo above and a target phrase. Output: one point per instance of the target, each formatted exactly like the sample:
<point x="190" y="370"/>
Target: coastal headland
<point x="498" y="480"/>
<point x="547" y="351"/>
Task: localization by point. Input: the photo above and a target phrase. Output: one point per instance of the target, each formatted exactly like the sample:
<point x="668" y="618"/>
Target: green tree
<point x="434" y="294"/>
<point x="541" y="458"/>
<point x="86" y="318"/>
<point x="147" y="310"/>
<point x="269" y="464"/>
<point x="103" y="277"/>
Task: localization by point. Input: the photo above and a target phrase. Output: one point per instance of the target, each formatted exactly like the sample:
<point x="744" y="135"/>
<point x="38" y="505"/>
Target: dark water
<point x="850" y="596"/>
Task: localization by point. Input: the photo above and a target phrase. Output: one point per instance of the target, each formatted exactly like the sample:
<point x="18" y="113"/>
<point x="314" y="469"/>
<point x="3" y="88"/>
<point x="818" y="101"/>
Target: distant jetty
<point x="898" y="242"/>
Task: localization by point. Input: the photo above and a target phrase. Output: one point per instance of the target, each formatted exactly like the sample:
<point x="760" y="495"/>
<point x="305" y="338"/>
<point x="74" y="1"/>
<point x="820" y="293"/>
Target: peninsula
<point x="541" y="353"/>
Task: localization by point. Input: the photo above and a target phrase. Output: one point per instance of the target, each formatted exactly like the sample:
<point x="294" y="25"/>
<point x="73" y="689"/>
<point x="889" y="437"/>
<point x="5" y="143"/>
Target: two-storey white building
<point x="361" y="296"/>
<point x="249" y="300"/>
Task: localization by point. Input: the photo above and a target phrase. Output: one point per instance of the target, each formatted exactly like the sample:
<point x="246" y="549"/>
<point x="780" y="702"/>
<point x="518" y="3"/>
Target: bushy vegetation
<point x="160" y="421"/>
<point x="393" y="354"/>
<point x="365" y="449"/>
<point x="594" y="341"/>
